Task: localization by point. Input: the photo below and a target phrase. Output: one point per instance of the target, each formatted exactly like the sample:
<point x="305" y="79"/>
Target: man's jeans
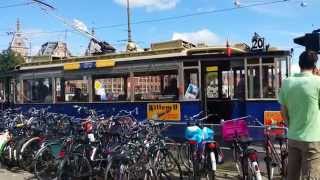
<point x="304" y="160"/>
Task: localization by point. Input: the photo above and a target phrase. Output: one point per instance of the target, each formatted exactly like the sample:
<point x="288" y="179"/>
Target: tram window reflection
<point x="155" y="87"/>
<point x="109" y="89"/>
<point x="36" y="91"/>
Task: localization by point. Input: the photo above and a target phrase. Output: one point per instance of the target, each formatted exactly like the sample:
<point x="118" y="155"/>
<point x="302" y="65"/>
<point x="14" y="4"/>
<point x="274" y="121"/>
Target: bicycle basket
<point x="193" y="133"/>
<point x="207" y="134"/>
<point x="234" y="128"/>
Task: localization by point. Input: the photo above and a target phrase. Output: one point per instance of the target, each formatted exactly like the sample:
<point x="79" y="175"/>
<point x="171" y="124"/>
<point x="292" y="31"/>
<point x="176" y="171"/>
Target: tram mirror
<point x="310" y="40"/>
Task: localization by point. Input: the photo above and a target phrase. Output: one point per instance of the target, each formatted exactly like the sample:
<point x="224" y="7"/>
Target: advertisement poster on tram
<point x="164" y="111"/>
<point x="274" y="118"/>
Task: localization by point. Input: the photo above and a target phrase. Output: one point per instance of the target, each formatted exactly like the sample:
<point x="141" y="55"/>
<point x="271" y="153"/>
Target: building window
<point x="37" y="91"/>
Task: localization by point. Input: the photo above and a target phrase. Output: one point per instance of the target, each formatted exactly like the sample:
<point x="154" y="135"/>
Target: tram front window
<point x="253" y="82"/>
<point x="269" y="81"/>
<point x="37" y="91"/>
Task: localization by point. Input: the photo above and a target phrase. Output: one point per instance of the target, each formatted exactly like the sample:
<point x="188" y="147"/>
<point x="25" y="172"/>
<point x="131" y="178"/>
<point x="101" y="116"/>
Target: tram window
<point x="253" y="61"/>
<point x="212" y="83"/>
<point x="155" y="87"/>
<point x="227" y="84"/>
<point x="269" y="81"/>
<point x="12" y="91"/>
<point x="37" y="90"/>
<point x="239" y="84"/>
<point x="191" y="82"/>
<point x="282" y="70"/>
<point x="192" y="63"/>
<point x="72" y="90"/>
<point x="109" y="89"/>
<point x="253" y="74"/>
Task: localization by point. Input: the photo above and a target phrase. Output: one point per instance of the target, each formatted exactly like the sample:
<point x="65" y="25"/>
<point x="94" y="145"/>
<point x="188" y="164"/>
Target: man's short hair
<point x="308" y="60"/>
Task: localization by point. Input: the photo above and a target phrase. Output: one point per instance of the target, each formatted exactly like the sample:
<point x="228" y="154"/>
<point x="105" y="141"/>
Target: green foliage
<point x="9" y="60"/>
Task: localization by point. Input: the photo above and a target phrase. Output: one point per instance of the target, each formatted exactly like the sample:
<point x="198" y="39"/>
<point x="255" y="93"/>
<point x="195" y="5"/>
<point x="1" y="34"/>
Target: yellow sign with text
<point x="164" y="111"/>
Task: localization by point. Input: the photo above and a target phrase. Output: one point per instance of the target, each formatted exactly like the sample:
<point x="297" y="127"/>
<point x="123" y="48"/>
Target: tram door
<point x="217" y="91"/>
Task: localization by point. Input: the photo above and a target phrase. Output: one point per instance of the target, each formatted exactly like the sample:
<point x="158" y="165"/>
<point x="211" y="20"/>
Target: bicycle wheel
<point x="27" y="155"/>
<point x="46" y="162"/>
<point x="184" y="156"/>
<point x="210" y="166"/>
<point x="254" y="171"/>
<point x="74" y="167"/>
<point x="116" y="170"/>
<point x="268" y="162"/>
<point x="168" y="164"/>
<point x="238" y="162"/>
<point x="284" y="162"/>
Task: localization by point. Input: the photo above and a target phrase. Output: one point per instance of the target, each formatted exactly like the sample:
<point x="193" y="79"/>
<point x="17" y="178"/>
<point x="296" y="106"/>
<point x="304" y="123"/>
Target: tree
<point x="9" y="60"/>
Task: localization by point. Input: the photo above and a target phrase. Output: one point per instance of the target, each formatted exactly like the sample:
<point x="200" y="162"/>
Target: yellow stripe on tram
<point x="105" y="63"/>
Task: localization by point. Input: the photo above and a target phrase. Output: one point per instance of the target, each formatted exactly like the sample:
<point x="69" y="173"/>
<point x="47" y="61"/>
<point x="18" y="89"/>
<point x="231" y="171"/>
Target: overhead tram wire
<point x="16" y="5"/>
<point x="261" y="3"/>
<point x="195" y="14"/>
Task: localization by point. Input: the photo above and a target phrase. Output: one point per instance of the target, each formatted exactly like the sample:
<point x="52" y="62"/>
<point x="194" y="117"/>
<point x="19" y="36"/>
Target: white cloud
<point x="150" y="5"/>
<point x="201" y="36"/>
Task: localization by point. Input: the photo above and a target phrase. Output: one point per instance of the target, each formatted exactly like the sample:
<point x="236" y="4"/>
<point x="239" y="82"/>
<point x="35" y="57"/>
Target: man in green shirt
<point x="300" y="106"/>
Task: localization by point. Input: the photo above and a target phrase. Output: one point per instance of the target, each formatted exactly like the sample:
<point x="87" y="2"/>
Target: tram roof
<point x="161" y="53"/>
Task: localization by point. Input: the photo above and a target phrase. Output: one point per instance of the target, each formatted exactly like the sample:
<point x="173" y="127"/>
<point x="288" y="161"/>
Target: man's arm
<point x="284" y="114"/>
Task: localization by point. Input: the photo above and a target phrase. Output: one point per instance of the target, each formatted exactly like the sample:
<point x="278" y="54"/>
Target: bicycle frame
<point x="273" y="158"/>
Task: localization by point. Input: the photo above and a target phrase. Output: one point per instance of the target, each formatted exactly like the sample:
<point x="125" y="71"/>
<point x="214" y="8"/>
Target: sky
<point x="279" y="23"/>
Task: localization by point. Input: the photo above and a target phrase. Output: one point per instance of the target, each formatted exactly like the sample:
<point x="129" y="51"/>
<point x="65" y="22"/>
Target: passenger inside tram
<point x="172" y="89"/>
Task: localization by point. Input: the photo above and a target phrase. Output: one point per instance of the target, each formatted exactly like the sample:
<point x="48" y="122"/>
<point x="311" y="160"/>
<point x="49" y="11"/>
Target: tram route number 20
<point x="257" y="44"/>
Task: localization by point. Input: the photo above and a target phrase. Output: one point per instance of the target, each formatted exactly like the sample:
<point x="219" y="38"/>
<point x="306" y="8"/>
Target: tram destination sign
<point x="258" y="43"/>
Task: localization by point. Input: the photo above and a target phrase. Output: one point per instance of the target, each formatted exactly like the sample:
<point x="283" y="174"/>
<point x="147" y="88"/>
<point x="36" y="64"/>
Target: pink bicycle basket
<point x="234" y="128"/>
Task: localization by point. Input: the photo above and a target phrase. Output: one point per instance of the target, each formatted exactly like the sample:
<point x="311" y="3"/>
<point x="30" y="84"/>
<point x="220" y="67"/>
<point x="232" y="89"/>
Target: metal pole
<point x="129" y="21"/>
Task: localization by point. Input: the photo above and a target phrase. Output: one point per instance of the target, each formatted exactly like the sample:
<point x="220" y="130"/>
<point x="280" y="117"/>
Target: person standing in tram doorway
<point x="300" y="102"/>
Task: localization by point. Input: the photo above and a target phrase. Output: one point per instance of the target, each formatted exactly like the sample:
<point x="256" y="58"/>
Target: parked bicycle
<point x="204" y="152"/>
<point x="246" y="158"/>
